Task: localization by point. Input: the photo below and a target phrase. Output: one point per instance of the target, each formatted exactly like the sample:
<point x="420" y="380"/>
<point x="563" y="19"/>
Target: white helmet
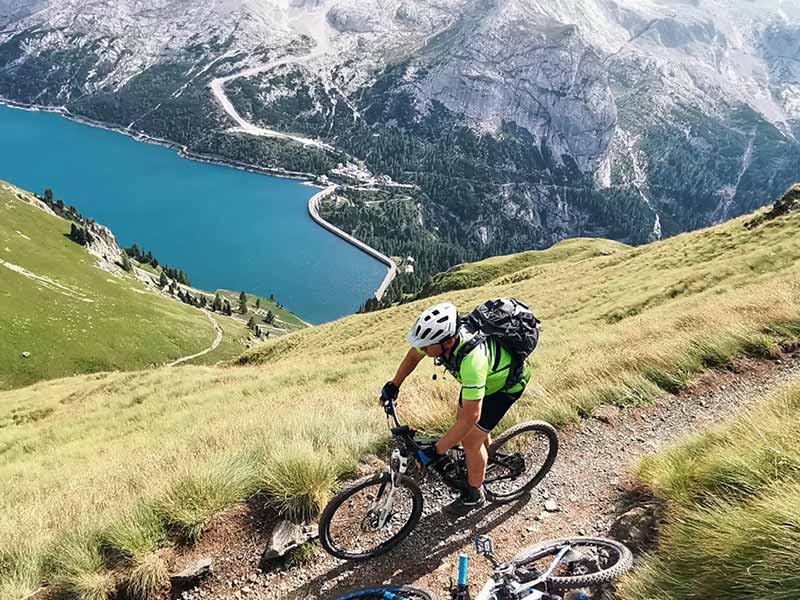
<point x="433" y="326"/>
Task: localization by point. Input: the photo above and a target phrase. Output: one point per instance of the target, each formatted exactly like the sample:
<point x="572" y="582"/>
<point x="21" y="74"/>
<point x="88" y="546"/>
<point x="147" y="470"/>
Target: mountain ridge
<point x="636" y="120"/>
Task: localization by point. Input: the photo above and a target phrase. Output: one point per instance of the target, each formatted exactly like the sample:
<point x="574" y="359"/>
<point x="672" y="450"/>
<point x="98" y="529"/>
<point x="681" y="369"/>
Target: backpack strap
<point x="454" y="363"/>
<point x="497" y="355"/>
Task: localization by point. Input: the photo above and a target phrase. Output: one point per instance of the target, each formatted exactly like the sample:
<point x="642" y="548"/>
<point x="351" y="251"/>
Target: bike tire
<point x="403" y="592"/>
<point x="621" y="566"/>
<point x="326" y="519"/>
<point x="549" y="432"/>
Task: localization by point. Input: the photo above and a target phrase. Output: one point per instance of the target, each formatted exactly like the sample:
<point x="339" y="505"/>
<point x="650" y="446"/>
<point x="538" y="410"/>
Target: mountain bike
<point x="542" y="572"/>
<point x="374" y="514"/>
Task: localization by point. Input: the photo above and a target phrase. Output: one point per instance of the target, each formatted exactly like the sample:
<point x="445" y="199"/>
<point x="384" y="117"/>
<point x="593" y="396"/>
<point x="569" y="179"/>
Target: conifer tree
<point x="243" y="303"/>
<point x="162" y="279"/>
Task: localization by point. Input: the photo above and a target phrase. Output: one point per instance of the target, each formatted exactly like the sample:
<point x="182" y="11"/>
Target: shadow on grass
<point x="415" y="556"/>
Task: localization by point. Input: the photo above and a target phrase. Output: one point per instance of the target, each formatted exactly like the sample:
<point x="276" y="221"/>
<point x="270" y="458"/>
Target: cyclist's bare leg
<point x="477" y="456"/>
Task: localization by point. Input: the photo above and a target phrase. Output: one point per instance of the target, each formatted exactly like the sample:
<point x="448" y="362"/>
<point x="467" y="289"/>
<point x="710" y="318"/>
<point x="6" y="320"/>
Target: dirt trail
<point x="211" y="348"/>
<point x="591" y="483"/>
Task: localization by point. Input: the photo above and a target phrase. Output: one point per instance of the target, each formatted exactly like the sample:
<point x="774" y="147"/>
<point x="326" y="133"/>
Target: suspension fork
<point x="399" y="465"/>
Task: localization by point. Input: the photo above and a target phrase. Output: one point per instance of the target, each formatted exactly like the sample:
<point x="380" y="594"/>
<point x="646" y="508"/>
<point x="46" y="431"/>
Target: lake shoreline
<point x="180" y="149"/>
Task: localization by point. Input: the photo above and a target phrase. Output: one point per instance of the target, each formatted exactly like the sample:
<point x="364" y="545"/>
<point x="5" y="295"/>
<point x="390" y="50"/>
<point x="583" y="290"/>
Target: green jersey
<point x="485" y="370"/>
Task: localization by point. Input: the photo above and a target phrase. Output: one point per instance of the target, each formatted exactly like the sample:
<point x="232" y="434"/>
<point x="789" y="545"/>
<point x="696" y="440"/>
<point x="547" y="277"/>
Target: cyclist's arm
<point x="410" y="362"/>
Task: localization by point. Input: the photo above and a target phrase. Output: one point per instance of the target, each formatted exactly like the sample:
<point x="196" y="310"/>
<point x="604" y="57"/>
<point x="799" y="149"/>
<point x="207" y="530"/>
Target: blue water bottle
<point x="461" y="590"/>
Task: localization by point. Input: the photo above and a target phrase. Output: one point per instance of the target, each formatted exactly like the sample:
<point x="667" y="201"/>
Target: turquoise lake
<point x="225" y="227"/>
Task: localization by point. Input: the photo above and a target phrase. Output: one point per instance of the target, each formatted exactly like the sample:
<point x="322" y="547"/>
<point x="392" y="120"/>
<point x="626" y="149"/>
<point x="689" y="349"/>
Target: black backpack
<point x="510" y="323"/>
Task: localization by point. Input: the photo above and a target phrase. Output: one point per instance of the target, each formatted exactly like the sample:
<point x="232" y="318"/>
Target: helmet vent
<point x="442" y="320"/>
<point x="425" y="333"/>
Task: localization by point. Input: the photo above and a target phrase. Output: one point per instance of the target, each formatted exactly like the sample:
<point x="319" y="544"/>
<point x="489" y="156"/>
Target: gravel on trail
<point x="588" y="487"/>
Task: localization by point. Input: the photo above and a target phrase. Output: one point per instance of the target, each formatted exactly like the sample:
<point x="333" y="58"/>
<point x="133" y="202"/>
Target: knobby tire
<point x="549" y="432"/>
<point x="326" y="519"/>
<point x="404" y="591"/>
<point x="621" y="566"/>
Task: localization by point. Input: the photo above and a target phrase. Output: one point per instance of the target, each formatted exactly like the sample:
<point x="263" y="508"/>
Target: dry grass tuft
<point x="77" y="568"/>
<point x="733" y="495"/>
<point x="299" y="478"/>
<point x="193" y="500"/>
<point x="147" y="575"/>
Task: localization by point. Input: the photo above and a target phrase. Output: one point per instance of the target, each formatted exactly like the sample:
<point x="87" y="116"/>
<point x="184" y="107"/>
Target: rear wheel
<point x="383" y="592"/>
<point x="588" y="563"/>
<point x="365" y="520"/>
<point x="519" y="459"/>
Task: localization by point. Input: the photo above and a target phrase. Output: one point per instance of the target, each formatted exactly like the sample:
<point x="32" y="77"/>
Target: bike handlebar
<point x="390" y="408"/>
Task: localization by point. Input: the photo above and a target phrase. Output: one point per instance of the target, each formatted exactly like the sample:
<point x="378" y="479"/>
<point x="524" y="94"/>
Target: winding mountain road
<point x="313" y="25"/>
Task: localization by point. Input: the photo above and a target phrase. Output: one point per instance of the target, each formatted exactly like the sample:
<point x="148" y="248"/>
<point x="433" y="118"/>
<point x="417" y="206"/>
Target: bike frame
<point x="504" y="583"/>
<point x="409" y="448"/>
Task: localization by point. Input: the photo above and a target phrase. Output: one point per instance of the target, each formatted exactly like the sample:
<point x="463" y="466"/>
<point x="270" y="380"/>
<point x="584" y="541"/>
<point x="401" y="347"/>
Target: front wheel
<point x="588" y="562"/>
<point x="402" y="592"/>
<point x="519" y="459"/>
<point x="370" y="517"/>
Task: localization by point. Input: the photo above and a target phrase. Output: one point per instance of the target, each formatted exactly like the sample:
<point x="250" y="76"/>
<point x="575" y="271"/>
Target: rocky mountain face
<point x="520" y="121"/>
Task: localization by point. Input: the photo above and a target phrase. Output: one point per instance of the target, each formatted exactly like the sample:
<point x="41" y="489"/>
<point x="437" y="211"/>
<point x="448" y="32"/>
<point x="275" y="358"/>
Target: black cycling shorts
<point x="494" y="408"/>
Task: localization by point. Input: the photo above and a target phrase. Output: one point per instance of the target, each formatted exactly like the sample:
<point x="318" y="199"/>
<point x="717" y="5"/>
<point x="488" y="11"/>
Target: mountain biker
<point x="484" y="400"/>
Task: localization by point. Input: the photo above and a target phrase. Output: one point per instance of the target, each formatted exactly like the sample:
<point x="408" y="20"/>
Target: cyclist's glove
<point x="389" y="392"/>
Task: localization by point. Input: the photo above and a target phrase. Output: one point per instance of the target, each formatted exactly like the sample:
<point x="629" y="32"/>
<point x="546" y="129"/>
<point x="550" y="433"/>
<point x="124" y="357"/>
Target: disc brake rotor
<point x="371" y="522"/>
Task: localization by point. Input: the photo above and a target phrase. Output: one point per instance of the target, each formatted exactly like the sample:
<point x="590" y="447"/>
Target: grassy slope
<point x="290" y="321"/>
<point x="618" y="328"/>
<point x="480" y="273"/>
<point x="234" y="337"/>
<point x="733" y="498"/>
<point x="95" y="322"/>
